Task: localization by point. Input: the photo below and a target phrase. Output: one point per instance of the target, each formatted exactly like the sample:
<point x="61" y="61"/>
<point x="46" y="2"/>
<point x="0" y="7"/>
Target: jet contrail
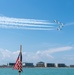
<point x="69" y="24"/>
<point x="19" y="23"/>
<point x="26" y="28"/>
<point x="26" y="21"/>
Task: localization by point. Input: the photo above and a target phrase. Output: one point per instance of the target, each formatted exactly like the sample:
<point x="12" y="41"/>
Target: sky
<point x="30" y="23"/>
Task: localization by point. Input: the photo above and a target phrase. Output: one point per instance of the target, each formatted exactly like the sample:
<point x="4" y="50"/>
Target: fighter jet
<point x="59" y="28"/>
<point x="56" y="21"/>
<point x="60" y="24"/>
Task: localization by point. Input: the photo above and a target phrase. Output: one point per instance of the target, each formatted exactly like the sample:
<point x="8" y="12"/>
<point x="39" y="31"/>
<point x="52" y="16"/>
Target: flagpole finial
<point x="20" y="48"/>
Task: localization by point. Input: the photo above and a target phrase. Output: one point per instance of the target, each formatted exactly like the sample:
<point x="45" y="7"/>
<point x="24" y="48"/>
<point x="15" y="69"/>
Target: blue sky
<point x="50" y="45"/>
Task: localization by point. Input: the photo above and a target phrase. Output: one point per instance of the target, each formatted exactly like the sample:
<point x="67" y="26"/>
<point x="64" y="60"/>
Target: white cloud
<point x="7" y="56"/>
<point x="60" y="49"/>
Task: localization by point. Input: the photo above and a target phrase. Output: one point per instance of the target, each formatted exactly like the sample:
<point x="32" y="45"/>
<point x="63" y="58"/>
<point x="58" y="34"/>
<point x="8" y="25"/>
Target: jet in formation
<point x="60" y="25"/>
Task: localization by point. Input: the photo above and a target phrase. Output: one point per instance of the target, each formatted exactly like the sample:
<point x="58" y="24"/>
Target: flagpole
<point x="18" y="64"/>
<point x="21" y="54"/>
<point x="19" y="72"/>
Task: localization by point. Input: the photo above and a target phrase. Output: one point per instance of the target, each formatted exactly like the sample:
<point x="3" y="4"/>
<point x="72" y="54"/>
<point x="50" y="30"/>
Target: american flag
<point x="18" y="64"/>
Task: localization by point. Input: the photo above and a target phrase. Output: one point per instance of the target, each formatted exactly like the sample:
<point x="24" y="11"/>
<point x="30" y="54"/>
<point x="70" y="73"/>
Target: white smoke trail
<point x="68" y="24"/>
<point x="26" y="28"/>
<point x="7" y="22"/>
<point x="23" y="21"/>
<point x="21" y="24"/>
